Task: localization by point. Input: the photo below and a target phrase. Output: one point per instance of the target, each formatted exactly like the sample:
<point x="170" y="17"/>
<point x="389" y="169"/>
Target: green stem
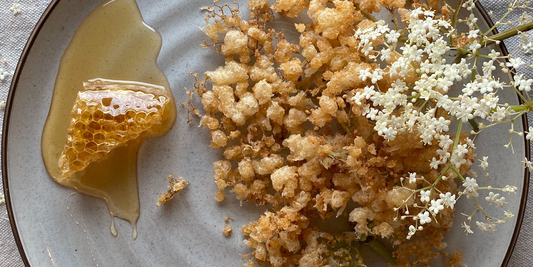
<point x="457" y="135"/>
<point x="474" y="125"/>
<point x="369" y="136"/>
<point x="368" y="16"/>
<point x="454" y="19"/>
<point x="519" y="94"/>
<point x="423" y="104"/>
<point x="519" y="115"/>
<point x="456" y="12"/>
<point x="458" y="174"/>
<point x="519" y="108"/>
<point x="434" y="184"/>
<point x="497" y="22"/>
<point x="345" y="128"/>
<point x="478" y="207"/>
<point x="379" y="248"/>
<point x="474" y="69"/>
<point x="462" y="54"/>
<point x="484" y="56"/>
<point x="440" y="177"/>
<point x="507" y="34"/>
<point x="403" y="38"/>
<point x="391" y="11"/>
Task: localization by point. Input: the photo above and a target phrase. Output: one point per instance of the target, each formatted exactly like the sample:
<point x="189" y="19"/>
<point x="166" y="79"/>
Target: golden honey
<point x="109" y="96"/>
<point x="108" y="114"/>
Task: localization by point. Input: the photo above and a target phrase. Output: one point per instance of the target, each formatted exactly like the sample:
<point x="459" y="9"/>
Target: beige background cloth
<point x="15" y="30"/>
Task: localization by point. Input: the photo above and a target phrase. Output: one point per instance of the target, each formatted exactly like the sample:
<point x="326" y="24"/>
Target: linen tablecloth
<point x="17" y="20"/>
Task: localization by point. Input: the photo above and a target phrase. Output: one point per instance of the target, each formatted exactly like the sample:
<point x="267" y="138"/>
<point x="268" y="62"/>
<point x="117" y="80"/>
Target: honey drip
<point x="94" y="130"/>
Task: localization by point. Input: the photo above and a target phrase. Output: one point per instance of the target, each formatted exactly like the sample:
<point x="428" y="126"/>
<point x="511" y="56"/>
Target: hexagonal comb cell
<point x="107" y="114"/>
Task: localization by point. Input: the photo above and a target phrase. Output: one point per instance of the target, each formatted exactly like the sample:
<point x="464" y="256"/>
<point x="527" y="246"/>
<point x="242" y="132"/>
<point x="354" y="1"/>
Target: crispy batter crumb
<point x="300" y="27"/>
<point x="176" y="185"/>
<point x="227" y="230"/>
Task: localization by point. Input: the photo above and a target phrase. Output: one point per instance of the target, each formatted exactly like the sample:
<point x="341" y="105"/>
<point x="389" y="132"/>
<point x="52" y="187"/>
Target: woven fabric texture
<point x="15" y="29"/>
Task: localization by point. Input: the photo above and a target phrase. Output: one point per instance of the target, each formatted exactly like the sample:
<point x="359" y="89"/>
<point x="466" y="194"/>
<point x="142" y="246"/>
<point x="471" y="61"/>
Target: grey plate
<point x="188" y="231"/>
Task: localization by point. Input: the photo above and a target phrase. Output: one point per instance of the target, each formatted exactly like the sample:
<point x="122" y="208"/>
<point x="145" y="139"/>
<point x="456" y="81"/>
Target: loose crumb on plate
<point x="175" y="186"/>
<point x="227" y="230"/>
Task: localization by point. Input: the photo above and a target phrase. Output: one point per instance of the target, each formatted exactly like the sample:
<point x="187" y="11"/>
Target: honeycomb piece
<point x="106" y="115"/>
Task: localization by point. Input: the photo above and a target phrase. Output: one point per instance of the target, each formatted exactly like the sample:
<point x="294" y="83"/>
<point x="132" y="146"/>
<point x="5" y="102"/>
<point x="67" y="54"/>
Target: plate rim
<point x="5" y="130"/>
<point x="525" y="189"/>
<point x="20" y="65"/>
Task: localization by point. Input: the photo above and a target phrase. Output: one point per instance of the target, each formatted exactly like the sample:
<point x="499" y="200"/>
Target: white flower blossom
<point x="412" y="177"/>
<point x="376" y="75"/>
<point x="392" y="36"/>
<point x="364" y="74"/>
<point x="492" y="197"/>
<point x="471" y="21"/>
<point x="515" y="62"/>
<point x="424" y="195"/>
<point x="529" y="133"/>
<point x="467" y="228"/>
<point x="484" y="163"/>
<point x="486" y="227"/>
<point x="525" y="44"/>
<point x="528" y="164"/>
<point x="16" y="9"/>
<point x="494" y="55"/>
<point x="435" y="163"/>
<point x="412" y="231"/>
<point x="3" y="74"/>
<point x="508" y="214"/>
<point x="510" y="189"/>
<point x="424" y="217"/>
<point x="525" y="18"/>
<point x="500" y="202"/>
<point x="474" y="46"/>
<point x="473" y="33"/>
<point x="469" y="5"/>
<point x="458" y="156"/>
<point x="448" y="199"/>
<point x="442" y="124"/>
<point x="523" y="84"/>
<point x="471" y="187"/>
<point x="436" y="206"/>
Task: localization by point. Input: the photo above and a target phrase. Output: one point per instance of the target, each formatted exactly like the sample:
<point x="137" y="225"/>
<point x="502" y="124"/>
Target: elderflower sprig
<point x="425" y="74"/>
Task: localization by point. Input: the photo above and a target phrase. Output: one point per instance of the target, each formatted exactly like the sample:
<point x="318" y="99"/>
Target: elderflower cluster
<point x="424" y="75"/>
<point x="425" y="49"/>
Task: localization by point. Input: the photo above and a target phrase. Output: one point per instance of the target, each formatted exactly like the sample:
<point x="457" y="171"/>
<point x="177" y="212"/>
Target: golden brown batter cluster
<point x="294" y="139"/>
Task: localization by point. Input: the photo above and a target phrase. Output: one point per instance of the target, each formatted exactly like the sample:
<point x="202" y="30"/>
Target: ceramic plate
<point x="53" y="229"/>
